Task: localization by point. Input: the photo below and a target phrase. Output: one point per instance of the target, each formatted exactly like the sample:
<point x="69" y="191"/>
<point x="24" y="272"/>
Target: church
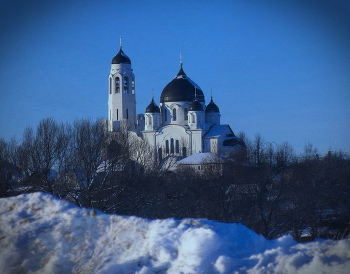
<point x="180" y="126"/>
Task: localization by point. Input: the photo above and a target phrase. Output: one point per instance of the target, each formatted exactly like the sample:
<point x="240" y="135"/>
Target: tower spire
<point x="120" y="42"/>
<point x="180" y="59"/>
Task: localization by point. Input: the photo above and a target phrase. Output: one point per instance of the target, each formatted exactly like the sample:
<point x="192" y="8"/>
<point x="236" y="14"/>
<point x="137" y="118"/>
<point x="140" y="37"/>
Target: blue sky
<point x="278" y="68"/>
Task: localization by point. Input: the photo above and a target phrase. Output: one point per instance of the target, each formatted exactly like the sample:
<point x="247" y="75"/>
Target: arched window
<point x="117" y="85"/>
<point x="167" y="146"/>
<point x="117" y="115"/>
<point x="160" y="154"/>
<point x="172" y="146"/>
<point x="186" y="114"/>
<point x="184" y="152"/>
<point x="110" y="85"/>
<point x="193" y="118"/>
<point x="174" y="114"/>
<point x="126" y="84"/>
<point x="177" y="146"/>
<point x="150" y="120"/>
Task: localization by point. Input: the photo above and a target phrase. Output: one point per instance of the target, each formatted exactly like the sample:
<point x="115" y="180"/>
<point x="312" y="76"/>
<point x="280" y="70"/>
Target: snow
<point x="42" y="234"/>
<point x="198" y="158"/>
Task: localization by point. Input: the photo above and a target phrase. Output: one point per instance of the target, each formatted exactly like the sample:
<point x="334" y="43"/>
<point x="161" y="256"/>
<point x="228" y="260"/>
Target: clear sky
<point x="278" y="68"/>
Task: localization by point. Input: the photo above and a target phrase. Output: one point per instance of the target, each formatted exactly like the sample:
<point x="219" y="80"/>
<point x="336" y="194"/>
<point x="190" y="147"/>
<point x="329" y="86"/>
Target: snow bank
<point x="42" y="234"/>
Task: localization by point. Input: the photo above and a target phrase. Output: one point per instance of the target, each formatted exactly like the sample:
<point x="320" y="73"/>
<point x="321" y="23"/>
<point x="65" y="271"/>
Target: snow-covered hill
<point x="42" y="234"/>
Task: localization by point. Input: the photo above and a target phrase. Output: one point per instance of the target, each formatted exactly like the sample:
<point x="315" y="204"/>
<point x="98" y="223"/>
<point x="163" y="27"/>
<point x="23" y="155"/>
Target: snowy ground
<point x="42" y="234"/>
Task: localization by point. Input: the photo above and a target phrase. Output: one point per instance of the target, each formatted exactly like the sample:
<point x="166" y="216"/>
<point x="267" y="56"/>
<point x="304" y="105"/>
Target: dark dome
<point x="152" y="108"/>
<point x="212" y="107"/>
<point x="121" y="58"/>
<point x="195" y="106"/>
<point x="181" y="88"/>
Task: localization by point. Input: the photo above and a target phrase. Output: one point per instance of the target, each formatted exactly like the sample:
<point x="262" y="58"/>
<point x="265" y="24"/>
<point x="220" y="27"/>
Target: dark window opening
<point x="177" y="146"/>
<point x="167" y="146"/>
<point x="117" y="85"/>
<point x="184" y="152"/>
<point x="174" y="114"/>
<point x="160" y="154"/>
<point x="127" y="114"/>
<point x="126" y="85"/>
<point x="172" y="146"/>
<point x="186" y="114"/>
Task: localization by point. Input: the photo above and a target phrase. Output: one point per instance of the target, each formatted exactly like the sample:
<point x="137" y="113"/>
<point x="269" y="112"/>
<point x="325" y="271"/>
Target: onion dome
<point x="181" y="88"/>
<point x="121" y="58"/>
<point x="195" y="106"/>
<point x="152" y="108"/>
<point x="212" y="107"/>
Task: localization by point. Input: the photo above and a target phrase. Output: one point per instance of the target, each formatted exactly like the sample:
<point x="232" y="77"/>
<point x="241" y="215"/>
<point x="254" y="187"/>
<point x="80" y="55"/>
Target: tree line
<point x="268" y="187"/>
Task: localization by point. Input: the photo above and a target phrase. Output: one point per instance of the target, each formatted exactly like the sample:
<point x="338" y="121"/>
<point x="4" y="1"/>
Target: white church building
<point x="180" y="126"/>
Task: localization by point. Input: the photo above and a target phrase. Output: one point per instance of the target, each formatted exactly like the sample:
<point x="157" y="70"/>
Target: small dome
<point x="181" y="88"/>
<point x="195" y="106"/>
<point x="152" y="108"/>
<point x="121" y="58"/>
<point x="212" y="107"/>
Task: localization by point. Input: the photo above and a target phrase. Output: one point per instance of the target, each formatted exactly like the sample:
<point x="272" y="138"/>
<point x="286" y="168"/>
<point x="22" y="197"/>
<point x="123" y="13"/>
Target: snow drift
<point x="42" y="234"/>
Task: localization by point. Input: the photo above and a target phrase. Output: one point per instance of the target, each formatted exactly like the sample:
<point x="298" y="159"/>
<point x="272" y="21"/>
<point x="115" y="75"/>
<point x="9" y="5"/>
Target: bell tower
<point x="121" y="93"/>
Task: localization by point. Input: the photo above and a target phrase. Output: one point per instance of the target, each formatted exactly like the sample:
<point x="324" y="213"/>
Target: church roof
<point x="212" y="107"/>
<point x="216" y="131"/>
<point x="195" y="106"/>
<point x="152" y="108"/>
<point x="181" y="88"/>
<point x="234" y="141"/>
<point x="121" y="58"/>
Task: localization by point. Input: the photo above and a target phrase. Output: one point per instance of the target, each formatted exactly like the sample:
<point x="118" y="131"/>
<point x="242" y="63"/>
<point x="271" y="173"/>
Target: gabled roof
<point x="216" y="131"/>
<point x="200" y="158"/>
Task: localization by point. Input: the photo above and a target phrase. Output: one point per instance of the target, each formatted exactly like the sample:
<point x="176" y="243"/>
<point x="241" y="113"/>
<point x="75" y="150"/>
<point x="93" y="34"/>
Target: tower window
<point x="174" y="114"/>
<point x="186" y="114"/>
<point x="126" y="85"/>
<point x="110" y="85"/>
<point x="167" y="146"/>
<point x="172" y="146"/>
<point x="127" y="114"/>
<point x="150" y="120"/>
<point x="117" y="85"/>
<point x="117" y="115"/>
<point x="177" y="146"/>
<point x="133" y="86"/>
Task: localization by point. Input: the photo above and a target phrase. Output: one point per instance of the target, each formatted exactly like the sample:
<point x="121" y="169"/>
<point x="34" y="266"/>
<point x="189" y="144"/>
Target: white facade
<point x="180" y="126"/>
